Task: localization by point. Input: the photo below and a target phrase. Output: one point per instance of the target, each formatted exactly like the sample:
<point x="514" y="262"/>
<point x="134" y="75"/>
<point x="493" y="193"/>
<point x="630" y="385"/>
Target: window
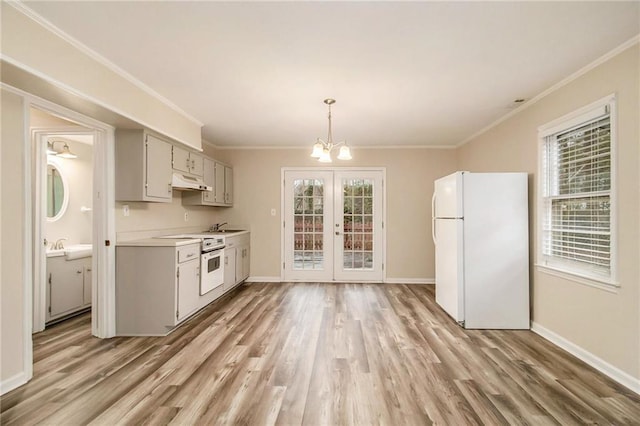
<point x="576" y="204"/>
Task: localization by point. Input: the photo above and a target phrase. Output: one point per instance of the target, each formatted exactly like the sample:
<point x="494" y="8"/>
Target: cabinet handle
<point x="79" y="272"/>
<point x="190" y="255"/>
<point x="169" y="184"/>
<point x="188" y="164"/>
<point x="88" y="269"/>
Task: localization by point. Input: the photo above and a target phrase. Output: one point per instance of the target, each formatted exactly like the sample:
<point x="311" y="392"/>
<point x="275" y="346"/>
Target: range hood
<point x="190" y="183"/>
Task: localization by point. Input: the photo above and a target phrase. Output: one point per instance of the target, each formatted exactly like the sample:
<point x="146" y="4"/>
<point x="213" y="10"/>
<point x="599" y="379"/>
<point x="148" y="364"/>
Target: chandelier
<point x="322" y="149"/>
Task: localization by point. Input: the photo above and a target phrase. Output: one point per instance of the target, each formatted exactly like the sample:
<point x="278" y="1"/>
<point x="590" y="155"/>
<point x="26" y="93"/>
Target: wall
<point x="74" y="224"/>
<point x="12" y="261"/>
<point x="603" y="323"/>
<point x="31" y="46"/>
<point x="409" y="186"/>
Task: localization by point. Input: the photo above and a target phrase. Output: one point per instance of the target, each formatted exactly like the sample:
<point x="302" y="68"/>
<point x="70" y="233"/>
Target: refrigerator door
<point x="448" y="196"/>
<point x="449" y="267"/>
<point x="496" y="257"/>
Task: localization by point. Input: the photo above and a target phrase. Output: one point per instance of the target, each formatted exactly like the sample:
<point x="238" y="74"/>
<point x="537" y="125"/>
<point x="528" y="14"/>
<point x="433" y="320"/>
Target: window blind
<point x="576" y="166"/>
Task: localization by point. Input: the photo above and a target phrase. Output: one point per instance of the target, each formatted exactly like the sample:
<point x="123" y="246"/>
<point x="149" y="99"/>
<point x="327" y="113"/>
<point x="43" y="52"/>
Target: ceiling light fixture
<point x="322" y="149"/>
<point x="65" y="153"/>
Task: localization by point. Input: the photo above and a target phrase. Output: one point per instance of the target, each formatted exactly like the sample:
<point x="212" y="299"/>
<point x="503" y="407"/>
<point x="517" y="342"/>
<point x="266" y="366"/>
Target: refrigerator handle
<point x="433" y="217"/>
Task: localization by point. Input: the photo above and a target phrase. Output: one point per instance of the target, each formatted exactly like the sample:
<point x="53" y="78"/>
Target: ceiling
<point x="403" y="73"/>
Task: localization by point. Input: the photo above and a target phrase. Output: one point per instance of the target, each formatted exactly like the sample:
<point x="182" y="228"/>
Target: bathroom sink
<point x="78" y="251"/>
<point x="55" y="253"/>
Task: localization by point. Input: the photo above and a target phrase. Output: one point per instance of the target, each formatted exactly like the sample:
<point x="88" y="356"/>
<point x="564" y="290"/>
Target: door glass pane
<point x="358" y="224"/>
<point x="308" y="226"/>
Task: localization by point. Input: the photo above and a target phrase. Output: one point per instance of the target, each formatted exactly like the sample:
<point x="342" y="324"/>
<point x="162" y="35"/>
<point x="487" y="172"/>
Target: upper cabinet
<point x="143" y="167"/>
<point x="220" y="177"/>
<point x="187" y="162"/>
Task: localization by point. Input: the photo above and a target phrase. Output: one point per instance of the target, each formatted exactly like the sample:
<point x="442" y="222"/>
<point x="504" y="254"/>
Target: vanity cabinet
<point x="142" y="167"/>
<point x="218" y="176"/>
<point x="68" y="286"/>
<point x="236" y="260"/>
<point x="187" y="161"/>
<point x="157" y="285"/>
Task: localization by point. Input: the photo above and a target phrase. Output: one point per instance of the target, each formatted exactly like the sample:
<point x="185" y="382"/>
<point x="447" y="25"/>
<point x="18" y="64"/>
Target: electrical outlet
<point x="186" y="216"/>
<point x="125" y="210"/>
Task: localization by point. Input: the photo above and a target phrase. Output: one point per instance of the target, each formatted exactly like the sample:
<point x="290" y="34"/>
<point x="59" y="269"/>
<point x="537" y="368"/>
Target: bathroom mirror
<point x="57" y="192"/>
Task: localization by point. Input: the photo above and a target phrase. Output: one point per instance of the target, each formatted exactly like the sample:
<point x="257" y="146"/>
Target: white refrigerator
<point x="480" y="229"/>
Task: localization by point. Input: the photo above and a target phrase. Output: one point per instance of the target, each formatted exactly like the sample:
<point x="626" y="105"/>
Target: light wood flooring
<point x="314" y="354"/>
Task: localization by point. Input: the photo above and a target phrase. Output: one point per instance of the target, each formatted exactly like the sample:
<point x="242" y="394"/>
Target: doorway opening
<point x="333" y="225"/>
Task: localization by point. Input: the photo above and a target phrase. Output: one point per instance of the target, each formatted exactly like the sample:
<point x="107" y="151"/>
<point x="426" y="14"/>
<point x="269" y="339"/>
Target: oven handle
<point x="214" y="250"/>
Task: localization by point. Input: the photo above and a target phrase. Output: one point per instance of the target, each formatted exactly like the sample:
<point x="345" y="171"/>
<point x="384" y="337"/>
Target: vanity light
<point x="65" y="153"/>
<point x="322" y="149"/>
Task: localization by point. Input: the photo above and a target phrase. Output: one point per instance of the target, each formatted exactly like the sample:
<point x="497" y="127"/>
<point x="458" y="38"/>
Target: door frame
<point x="283" y="170"/>
<point x="103" y="320"/>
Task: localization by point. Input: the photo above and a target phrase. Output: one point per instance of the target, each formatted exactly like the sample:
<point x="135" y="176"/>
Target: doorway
<point x="63" y="213"/>
<point x="333" y="225"/>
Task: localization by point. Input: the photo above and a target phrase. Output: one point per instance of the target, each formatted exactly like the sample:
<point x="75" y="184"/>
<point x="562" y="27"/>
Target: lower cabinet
<point x="157" y="287"/>
<point x="236" y="260"/>
<point x="68" y="286"/>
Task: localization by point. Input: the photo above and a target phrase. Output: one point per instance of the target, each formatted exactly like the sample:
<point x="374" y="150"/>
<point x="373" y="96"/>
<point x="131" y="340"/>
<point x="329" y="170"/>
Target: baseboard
<point x="264" y="280"/>
<point x="410" y="281"/>
<point x="13" y="382"/>
<point x="599" y="364"/>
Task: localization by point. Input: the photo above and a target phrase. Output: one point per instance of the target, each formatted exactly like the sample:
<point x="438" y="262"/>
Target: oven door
<point x="211" y="270"/>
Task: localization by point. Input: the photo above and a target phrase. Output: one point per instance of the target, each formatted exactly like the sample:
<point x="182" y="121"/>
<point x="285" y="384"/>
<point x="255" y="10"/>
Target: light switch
<point x="186" y="216"/>
<point x="273" y="212"/>
<point x="125" y="210"/>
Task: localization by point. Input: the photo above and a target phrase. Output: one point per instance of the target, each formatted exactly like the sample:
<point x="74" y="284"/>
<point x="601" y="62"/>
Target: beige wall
<point x="605" y="324"/>
<point x="409" y="186"/>
<point x="27" y="44"/>
<point x="12" y="223"/>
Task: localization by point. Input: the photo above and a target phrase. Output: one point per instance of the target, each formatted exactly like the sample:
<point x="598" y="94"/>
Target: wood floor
<point x="314" y="354"/>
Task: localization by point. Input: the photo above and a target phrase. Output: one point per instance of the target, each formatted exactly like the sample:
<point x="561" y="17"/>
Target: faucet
<point x="58" y="245"/>
<point x="216" y="227"/>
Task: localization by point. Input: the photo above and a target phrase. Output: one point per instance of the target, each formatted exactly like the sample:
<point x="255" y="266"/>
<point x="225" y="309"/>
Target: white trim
<point x="606" y="285"/>
<point x="13" y="382"/>
<point x="354" y="147"/>
<point x="27" y="264"/>
<point x="599" y="364"/>
<point x="263" y="280"/>
<point x="31" y="14"/>
<point x="423" y="281"/>
<point x="602" y="59"/>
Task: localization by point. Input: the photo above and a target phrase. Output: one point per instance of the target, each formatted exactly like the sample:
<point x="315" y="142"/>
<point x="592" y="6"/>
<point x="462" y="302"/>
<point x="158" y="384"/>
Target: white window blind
<point x="576" y="172"/>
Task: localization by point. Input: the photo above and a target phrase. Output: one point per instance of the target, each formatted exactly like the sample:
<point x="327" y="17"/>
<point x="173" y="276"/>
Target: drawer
<point x="187" y="253"/>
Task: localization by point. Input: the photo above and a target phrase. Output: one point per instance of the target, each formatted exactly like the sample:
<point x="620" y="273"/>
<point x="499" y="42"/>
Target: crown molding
<point x="602" y="59"/>
<point x="356" y="148"/>
<point x="31" y="14"/>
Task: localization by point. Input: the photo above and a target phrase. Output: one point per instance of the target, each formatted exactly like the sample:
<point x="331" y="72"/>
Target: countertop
<point x="159" y="242"/>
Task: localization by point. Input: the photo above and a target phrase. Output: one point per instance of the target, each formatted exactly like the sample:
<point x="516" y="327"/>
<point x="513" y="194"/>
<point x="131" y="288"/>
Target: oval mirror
<point x="57" y="192"/>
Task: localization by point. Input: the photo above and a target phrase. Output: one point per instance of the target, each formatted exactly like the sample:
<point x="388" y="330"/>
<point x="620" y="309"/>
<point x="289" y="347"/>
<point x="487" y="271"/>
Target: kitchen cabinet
<point x="157" y="285"/>
<point x="224" y="184"/>
<point x="187" y="161"/>
<point x="68" y="286"/>
<point x="220" y="177"/>
<point x="237" y="260"/>
<point x="142" y="167"/>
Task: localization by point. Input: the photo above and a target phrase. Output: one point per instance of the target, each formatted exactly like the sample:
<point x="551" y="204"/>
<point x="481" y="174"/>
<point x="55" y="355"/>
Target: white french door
<point x="333" y="225"/>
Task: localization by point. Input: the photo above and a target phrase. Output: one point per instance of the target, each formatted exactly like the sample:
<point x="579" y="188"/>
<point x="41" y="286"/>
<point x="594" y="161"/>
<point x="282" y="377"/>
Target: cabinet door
<point x="220" y="185"/>
<point x="209" y="177"/>
<point x="228" y="185"/>
<point x="196" y="164"/>
<point x="181" y="161"/>
<point x="66" y="287"/>
<point x="188" y="288"/>
<point x="229" y="268"/>
<point x="88" y="277"/>
<point x="158" y="168"/>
